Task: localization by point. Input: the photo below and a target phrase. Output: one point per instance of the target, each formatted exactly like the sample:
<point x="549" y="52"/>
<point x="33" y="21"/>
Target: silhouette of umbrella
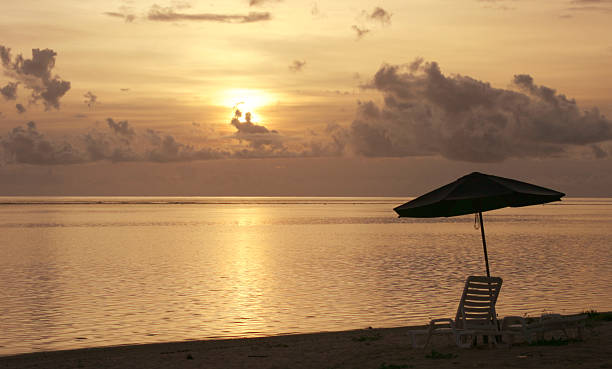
<point x="475" y="193"/>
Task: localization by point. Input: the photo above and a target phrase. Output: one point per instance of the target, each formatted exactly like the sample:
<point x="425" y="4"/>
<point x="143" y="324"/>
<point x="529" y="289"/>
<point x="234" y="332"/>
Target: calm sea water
<point x="82" y="272"/>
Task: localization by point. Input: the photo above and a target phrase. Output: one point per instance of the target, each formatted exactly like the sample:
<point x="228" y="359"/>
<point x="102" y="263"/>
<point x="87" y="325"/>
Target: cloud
<point x="428" y="113"/>
<point x="167" y="149"/>
<point x="118" y="143"/>
<point x="169" y="14"/>
<point x="128" y="18"/>
<point x="591" y="1"/>
<point x="20" y="108"/>
<point x="124" y="89"/>
<point x="9" y="92"/>
<point x="261" y="141"/>
<point x="377" y="16"/>
<point x="25" y="145"/>
<point x="297" y="65"/>
<point x="36" y="75"/>
<point x="589" y="9"/>
<point x="121" y="128"/>
<point x="314" y="10"/>
<point x="101" y="146"/>
<point x="603" y="6"/>
<point x="497" y="4"/>
<point x="360" y="31"/>
<point x="262" y="2"/>
<point x="90" y="99"/>
<point x="248" y="127"/>
<point x="380" y="15"/>
<point x="5" y="55"/>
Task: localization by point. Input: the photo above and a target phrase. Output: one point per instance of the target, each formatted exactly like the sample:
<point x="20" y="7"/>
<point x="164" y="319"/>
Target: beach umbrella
<point x="473" y="194"/>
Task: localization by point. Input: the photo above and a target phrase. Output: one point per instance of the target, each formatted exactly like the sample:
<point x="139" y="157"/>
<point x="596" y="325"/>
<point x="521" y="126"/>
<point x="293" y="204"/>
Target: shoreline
<point x="362" y="348"/>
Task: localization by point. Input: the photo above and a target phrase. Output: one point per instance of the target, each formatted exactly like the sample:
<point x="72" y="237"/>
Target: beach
<point x="365" y="348"/>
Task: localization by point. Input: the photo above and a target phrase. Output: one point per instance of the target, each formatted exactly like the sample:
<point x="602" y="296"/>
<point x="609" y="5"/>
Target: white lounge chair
<point x="475" y="317"/>
<point x="518" y="326"/>
<point x="476" y="311"/>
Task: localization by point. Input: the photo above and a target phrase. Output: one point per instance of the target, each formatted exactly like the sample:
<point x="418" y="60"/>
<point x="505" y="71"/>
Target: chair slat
<point x="478" y="298"/>
<point x="486" y="304"/>
<point x="472" y="291"/>
<point x="477" y="316"/>
<point x="477" y="309"/>
<point x="482" y="285"/>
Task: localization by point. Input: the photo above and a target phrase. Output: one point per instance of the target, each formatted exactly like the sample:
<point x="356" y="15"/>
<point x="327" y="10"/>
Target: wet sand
<point x="387" y="348"/>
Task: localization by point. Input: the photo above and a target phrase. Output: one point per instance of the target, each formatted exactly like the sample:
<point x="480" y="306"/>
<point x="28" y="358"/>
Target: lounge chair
<point x="518" y="326"/>
<point x="475" y="317"/>
<point x="476" y="313"/>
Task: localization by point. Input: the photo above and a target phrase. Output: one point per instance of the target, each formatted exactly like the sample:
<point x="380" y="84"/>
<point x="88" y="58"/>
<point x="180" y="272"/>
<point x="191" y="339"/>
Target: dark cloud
<point x="151" y="146"/>
<point x="9" y="92"/>
<point x="589" y="9"/>
<point x="380" y="15"/>
<point x="128" y="18"/>
<point x="124" y="89"/>
<point x="167" y="149"/>
<point x="360" y="31"/>
<point x="262" y="2"/>
<point x="591" y="1"/>
<point x="169" y="14"/>
<point x="604" y="6"/>
<point x="20" y="108"/>
<point x="261" y="141"/>
<point x="5" y="56"/>
<point x="377" y="16"/>
<point x="90" y="99"/>
<point x="248" y="127"/>
<point x="101" y="146"/>
<point x="36" y="75"/>
<point x="497" y="4"/>
<point x="314" y="10"/>
<point x="428" y="113"/>
<point x="25" y="145"/>
<point x="297" y="65"/>
<point x="121" y="128"/>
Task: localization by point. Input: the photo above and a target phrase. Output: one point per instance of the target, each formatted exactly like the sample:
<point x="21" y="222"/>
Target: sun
<point x="246" y="100"/>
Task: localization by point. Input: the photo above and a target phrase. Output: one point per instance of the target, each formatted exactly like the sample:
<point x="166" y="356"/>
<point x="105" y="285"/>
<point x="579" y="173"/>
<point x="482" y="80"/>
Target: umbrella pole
<point x="484" y="243"/>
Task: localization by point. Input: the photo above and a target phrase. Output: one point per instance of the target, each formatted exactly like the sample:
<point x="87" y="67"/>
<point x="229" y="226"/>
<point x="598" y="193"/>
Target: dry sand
<point x="370" y="348"/>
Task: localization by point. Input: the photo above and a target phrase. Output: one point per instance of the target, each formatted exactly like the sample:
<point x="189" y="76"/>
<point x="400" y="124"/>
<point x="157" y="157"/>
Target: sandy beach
<point x="368" y="348"/>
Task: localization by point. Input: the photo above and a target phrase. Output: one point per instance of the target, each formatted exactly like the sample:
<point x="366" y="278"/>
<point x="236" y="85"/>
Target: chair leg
<point x="464" y="340"/>
<point x="427" y="341"/>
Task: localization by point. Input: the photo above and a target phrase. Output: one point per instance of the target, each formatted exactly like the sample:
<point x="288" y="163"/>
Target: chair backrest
<point x="477" y="306"/>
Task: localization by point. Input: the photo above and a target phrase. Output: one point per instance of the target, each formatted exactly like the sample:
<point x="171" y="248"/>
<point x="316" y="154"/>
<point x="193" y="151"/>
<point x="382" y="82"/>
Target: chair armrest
<point x="442" y="320"/>
<point x="441" y="323"/>
<point x="513" y="320"/>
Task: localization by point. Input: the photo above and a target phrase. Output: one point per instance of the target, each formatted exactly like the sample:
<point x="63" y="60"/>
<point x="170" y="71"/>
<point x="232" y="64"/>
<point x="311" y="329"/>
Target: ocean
<point x="85" y="271"/>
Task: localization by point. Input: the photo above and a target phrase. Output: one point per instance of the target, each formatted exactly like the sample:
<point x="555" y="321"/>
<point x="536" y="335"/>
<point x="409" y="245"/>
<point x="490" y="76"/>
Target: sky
<point x="302" y="98"/>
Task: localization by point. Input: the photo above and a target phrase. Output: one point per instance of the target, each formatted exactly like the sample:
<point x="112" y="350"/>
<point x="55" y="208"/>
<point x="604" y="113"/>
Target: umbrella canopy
<point x="475" y="193"/>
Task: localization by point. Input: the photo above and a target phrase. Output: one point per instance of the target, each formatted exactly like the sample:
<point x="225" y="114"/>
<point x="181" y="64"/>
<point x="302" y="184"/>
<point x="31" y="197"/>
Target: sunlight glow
<point x="245" y="100"/>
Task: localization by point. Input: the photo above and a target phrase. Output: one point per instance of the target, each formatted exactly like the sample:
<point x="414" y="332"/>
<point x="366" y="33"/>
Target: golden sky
<point x="140" y="84"/>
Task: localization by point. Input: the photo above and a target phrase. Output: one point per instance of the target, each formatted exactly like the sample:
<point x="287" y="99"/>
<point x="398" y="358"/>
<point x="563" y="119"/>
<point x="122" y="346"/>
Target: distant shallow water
<point x="83" y="271"/>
